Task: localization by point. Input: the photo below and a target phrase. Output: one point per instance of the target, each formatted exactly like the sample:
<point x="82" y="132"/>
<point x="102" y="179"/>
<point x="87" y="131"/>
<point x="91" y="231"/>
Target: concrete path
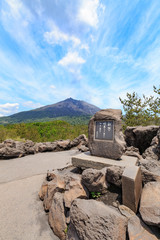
<point x="21" y="212"/>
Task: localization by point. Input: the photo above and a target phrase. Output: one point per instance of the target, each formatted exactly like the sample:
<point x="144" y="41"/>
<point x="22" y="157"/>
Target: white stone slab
<point x="86" y="160"/>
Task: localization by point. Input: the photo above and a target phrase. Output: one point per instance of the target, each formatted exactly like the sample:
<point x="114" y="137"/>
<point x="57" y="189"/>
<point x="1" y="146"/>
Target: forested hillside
<point x="42" y="131"/>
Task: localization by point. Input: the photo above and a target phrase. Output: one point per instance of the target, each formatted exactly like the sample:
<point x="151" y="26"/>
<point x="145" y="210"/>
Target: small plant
<point x="66" y="230"/>
<point x="95" y="194"/>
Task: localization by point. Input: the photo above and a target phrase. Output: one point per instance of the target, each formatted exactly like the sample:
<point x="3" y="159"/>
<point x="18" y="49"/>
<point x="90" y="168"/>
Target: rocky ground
<point x="13" y="149"/>
<point x="87" y="204"/>
<point x="79" y="204"/>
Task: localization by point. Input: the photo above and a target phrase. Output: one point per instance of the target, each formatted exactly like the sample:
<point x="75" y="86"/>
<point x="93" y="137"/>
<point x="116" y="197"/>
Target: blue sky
<point x="91" y="50"/>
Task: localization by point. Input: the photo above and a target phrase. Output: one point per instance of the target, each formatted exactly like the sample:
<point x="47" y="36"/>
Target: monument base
<point x="86" y="160"/>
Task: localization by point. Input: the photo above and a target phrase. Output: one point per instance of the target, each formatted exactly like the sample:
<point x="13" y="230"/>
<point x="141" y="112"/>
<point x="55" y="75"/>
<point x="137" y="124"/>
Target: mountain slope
<point x="67" y="108"/>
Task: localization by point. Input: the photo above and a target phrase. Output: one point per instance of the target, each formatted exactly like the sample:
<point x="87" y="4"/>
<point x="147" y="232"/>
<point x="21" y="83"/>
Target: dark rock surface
<point x="132" y="151"/>
<point x="95" y="180"/>
<point x="140" y="137"/>
<point x="114" y="175"/>
<point x="150" y="170"/>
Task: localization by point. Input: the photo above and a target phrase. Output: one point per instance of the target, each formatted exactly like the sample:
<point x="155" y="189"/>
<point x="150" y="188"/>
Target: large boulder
<point x="57" y="218"/>
<point x="73" y="190"/>
<point x="10" y="152"/>
<point x="45" y="147"/>
<point x="132" y="151"/>
<point x="107" y="140"/>
<point x="43" y="190"/>
<point x="95" y="220"/>
<point x="95" y="180"/>
<point x="10" y="143"/>
<point x="80" y="140"/>
<point x="152" y="152"/>
<point x="114" y="175"/>
<point x="138" y="230"/>
<point x="150" y="170"/>
<point x="56" y="185"/>
<point x="150" y="204"/>
<point x="63" y="181"/>
<point x="63" y="145"/>
<point x="29" y="147"/>
<point x="140" y="137"/>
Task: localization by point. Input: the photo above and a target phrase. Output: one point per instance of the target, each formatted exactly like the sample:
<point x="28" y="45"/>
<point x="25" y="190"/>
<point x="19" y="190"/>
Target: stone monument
<point x="105" y="135"/>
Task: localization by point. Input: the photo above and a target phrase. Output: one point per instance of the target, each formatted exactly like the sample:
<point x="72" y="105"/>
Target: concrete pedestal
<point x="131" y="187"/>
<point x="86" y="160"/>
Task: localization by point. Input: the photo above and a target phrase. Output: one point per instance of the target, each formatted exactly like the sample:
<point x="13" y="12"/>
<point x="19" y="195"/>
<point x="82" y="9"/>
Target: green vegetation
<point x="141" y="111"/>
<point x="74" y="120"/>
<point x="95" y="194"/>
<point x="42" y="131"/>
<point x="66" y="230"/>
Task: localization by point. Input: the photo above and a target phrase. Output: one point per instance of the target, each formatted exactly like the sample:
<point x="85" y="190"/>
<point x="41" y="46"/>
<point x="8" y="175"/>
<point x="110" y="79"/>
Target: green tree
<point x="141" y="111"/>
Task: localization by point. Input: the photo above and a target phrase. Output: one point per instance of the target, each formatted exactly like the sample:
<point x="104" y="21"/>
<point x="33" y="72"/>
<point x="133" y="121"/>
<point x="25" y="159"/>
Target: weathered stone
<point x="150" y="170"/>
<point x="138" y="230"/>
<point x="71" y="233"/>
<point x="132" y="151"/>
<point x="81" y="139"/>
<point x="125" y="211"/>
<point x="113" y="148"/>
<point x="2" y="145"/>
<point x="10" y="143"/>
<point x="95" y="180"/>
<point x="56" y="185"/>
<point x="150" y="204"/>
<point x="73" y="190"/>
<point x="131" y="187"/>
<point x="94" y="220"/>
<point x="10" y="152"/>
<point x="57" y="219"/>
<point x="83" y="148"/>
<point x="140" y="137"/>
<point x="152" y="152"/>
<point x="45" y="147"/>
<point x="63" y="144"/>
<point x="43" y="190"/>
<point x="114" y="175"/>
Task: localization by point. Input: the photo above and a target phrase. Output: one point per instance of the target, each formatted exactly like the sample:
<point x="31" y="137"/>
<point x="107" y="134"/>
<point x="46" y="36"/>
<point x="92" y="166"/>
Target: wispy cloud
<point x="72" y="58"/>
<point x="58" y="37"/>
<point x="8" y="108"/>
<point x="86" y="49"/>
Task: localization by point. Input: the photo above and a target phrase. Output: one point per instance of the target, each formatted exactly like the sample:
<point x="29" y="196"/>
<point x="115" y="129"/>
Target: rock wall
<point x="13" y="149"/>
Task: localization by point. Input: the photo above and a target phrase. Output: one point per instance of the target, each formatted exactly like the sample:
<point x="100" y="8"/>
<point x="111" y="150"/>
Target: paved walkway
<point x="21" y="212"/>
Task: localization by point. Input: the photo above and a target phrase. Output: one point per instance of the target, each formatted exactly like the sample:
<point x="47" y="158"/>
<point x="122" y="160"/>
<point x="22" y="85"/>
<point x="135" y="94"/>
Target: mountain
<point x="68" y="108"/>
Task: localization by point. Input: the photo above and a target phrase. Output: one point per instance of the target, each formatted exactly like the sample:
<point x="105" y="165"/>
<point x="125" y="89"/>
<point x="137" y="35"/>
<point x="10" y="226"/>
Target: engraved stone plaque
<point x="104" y="130"/>
<point x="105" y="137"/>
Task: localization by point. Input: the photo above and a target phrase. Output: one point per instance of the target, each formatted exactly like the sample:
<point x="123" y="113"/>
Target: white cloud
<point x="16" y="19"/>
<point x="53" y="87"/>
<point x="72" y="58"/>
<point x="58" y="37"/>
<point x="32" y="105"/>
<point x="8" y="108"/>
<point x="88" y="12"/>
<point x="85" y="47"/>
